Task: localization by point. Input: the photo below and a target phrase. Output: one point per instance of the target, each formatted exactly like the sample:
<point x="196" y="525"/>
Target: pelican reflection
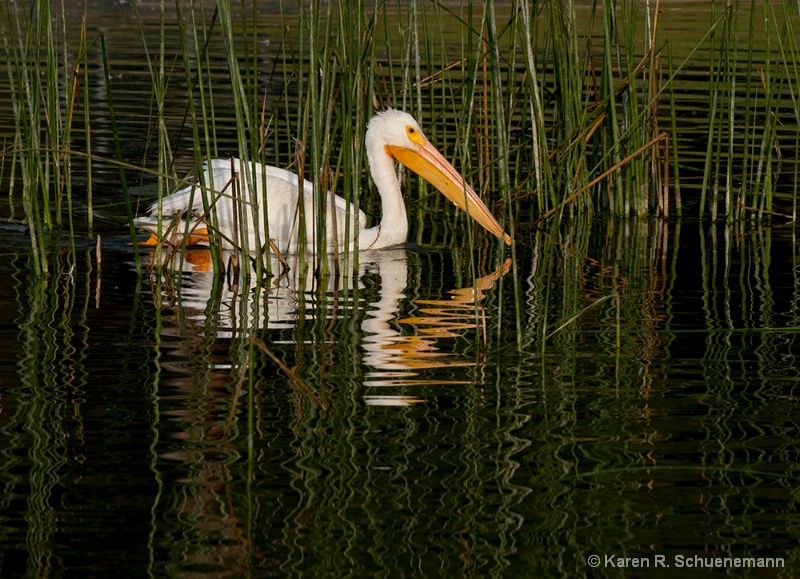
<point x="395" y="349"/>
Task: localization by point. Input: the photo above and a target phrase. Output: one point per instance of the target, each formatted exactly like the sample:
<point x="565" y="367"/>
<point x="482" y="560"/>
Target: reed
<point x="25" y="36"/>
<point x="202" y="125"/>
<point x="45" y="95"/>
<point x="551" y="109"/>
<point x="118" y="152"/>
<point x="337" y="67"/>
<point x="340" y="77"/>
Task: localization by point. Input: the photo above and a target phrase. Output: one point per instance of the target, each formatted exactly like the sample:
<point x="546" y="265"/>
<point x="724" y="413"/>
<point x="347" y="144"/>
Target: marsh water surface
<point x="430" y="413"/>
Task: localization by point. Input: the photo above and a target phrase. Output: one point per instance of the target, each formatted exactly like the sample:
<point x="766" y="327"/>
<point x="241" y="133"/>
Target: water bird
<point x="391" y="136"/>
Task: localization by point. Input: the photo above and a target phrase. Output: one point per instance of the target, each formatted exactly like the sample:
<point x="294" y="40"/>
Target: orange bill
<point x="429" y="164"/>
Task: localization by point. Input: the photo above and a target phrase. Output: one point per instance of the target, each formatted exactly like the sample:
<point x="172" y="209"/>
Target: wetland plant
<point x="550" y="109"/>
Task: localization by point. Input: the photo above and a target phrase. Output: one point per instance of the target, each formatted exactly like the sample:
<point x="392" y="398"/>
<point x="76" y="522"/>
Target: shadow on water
<point x="140" y="424"/>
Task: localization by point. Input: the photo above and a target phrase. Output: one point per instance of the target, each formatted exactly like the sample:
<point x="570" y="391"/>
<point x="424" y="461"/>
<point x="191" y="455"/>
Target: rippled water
<point x="432" y="414"/>
<point x="141" y="424"/>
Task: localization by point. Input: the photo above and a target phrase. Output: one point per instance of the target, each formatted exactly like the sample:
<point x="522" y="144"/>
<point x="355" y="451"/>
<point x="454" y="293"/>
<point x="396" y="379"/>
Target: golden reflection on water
<point x="394" y="353"/>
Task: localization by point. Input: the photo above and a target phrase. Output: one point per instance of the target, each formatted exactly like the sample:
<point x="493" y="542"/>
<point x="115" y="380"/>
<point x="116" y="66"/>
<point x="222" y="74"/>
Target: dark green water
<point x="409" y="428"/>
<point x="129" y="438"/>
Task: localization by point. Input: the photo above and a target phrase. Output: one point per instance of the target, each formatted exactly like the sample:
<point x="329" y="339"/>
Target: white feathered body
<point x="279" y="188"/>
<point x="270" y="195"/>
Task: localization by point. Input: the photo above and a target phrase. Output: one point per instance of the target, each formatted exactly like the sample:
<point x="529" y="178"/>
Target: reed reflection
<point x="349" y="339"/>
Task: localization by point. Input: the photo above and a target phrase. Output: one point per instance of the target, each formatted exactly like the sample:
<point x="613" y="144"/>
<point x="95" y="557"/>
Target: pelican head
<point x="396" y="135"/>
<point x="394" y="128"/>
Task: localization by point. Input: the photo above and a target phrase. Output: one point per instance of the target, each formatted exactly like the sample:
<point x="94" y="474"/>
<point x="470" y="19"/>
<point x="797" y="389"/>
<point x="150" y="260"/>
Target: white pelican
<point x="391" y="135"/>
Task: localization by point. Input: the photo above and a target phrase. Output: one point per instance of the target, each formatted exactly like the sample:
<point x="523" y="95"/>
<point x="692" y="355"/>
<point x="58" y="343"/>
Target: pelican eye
<point x="414" y="135"/>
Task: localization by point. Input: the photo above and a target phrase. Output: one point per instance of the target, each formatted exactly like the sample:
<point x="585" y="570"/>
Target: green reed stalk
<point x="283" y="109"/>
<point x="749" y="133"/>
<point x="321" y="102"/>
<point x="720" y="95"/>
<point x="250" y="30"/>
<point x="676" y="179"/>
<point x="568" y="74"/>
<point x="633" y="192"/>
<point x="763" y="191"/>
<point x="26" y="131"/>
<point x="790" y="58"/>
<point x="43" y="116"/>
<point x="205" y="87"/>
<point x="244" y="124"/>
<point x="465" y="130"/>
<point x="658" y="160"/>
<point x="789" y="55"/>
<point x="655" y="167"/>
<point x="87" y="126"/>
<point x="543" y="182"/>
<point x="158" y="79"/>
<point x="733" y="62"/>
<point x="502" y="123"/>
<point x="199" y="145"/>
<point x="207" y="147"/>
<point x="425" y="64"/>
<point x="118" y="152"/>
<point x="413" y="63"/>
<point x="411" y="91"/>
<point x="160" y="96"/>
<point x="52" y="120"/>
<point x="71" y="81"/>
<point x="355" y="51"/>
<point x="299" y="148"/>
<point x="612" y="141"/>
<point x="498" y="108"/>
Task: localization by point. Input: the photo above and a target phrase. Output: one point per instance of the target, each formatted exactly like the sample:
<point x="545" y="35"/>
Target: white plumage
<point x="391" y="135"/>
